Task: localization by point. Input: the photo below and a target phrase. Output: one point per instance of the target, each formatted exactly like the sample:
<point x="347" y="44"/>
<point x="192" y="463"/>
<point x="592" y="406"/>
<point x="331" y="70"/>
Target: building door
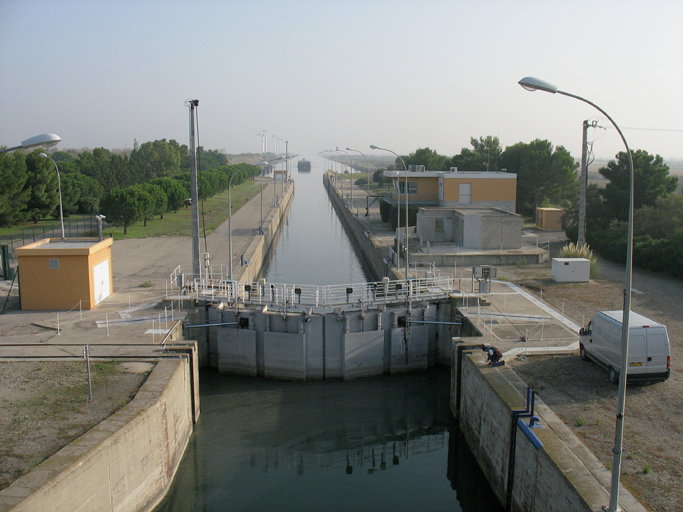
<point x="465" y="193"/>
<point x="101" y="281"/>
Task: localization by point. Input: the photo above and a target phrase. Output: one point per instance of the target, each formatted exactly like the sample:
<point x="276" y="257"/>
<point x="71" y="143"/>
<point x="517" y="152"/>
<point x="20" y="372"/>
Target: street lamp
<point x="59" y="186"/>
<point x="534" y="84"/>
<point x="334" y="168"/>
<point x="367" y="167"/>
<point x="398" y="229"/>
<point x="46" y="140"/>
<point x="351" y="170"/>
<point x="230" y="220"/>
<point x="262" y="165"/>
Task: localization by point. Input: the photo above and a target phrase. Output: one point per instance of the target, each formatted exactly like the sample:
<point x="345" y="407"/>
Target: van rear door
<point x="637" y="352"/>
<point x="657" y="350"/>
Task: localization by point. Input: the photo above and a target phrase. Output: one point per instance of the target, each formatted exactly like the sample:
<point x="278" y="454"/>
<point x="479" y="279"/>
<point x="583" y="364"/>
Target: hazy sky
<point x="321" y="74"/>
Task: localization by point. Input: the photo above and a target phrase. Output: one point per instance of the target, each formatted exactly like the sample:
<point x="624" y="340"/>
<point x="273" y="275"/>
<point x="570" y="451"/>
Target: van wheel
<point x="582" y="353"/>
<point x="613" y="376"/>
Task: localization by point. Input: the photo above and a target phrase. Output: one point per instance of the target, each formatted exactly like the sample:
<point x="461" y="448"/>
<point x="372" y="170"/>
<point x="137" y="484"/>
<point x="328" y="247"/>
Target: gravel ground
<point x="580" y="392"/>
<point x="44" y="406"/>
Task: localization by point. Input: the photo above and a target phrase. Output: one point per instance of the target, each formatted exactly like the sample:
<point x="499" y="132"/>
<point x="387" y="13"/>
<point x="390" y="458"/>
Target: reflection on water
<point x="385" y="443"/>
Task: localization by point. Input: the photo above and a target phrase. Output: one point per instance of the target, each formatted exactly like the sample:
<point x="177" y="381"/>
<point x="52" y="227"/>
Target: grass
<point x="647" y="469"/>
<point x="107" y="367"/>
<point x="580" y="422"/>
<point x="146" y="284"/>
<point x="180" y="222"/>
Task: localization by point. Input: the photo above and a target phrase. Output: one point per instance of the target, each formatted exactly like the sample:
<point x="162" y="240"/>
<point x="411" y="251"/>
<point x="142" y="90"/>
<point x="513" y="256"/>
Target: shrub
<point x="573" y="250"/>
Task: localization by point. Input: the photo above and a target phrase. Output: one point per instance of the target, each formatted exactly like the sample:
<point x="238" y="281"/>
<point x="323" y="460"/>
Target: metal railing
<point x="213" y="286"/>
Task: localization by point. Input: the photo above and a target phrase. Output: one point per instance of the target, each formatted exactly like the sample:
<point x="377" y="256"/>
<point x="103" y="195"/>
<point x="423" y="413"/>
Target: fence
<point x="73" y="228"/>
<point x="213" y="286"/>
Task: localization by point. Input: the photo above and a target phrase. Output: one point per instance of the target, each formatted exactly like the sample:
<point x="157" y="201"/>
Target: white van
<point x="649" y="356"/>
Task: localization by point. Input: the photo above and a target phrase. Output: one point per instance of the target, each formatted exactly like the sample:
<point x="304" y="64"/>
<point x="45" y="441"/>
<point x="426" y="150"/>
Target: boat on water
<point x="304" y="165"/>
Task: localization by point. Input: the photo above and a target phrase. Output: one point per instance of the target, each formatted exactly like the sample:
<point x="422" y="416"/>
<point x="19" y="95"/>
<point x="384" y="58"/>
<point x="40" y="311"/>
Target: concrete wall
<point x="356" y="228"/>
<point x="125" y="463"/>
<point x="561" y="475"/>
<point x="261" y="246"/>
<point x="346" y="344"/>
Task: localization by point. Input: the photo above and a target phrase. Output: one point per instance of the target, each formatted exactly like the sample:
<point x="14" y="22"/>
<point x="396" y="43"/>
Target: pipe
<point x="528" y="411"/>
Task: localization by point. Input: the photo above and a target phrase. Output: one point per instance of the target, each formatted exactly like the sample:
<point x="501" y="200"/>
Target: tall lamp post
<point x="398" y="229"/>
<point x="351" y="170"/>
<point x="194" y="189"/>
<point x="230" y="220"/>
<point x="534" y="84"/>
<point x="367" y="168"/>
<point x="262" y="165"/>
<point x="334" y="165"/>
<point x="59" y="187"/>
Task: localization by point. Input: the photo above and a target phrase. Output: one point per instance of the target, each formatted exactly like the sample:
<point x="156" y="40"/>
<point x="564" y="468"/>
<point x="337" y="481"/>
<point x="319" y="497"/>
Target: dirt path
<point x="581" y="394"/>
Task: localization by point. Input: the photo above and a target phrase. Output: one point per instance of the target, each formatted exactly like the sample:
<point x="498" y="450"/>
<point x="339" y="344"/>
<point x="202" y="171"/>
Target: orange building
<point x="455" y="189"/>
<point x="550" y="219"/>
<point x="60" y="275"/>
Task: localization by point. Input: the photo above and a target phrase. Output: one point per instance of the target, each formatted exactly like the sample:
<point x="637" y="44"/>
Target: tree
<point x="427" y="157"/>
<point x="652" y="180"/>
<point x="379" y="178"/>
<point x="155" y="160"/>
<point x="210" y="159"/>
<point x="13" y="194"/>
<point x="153" y="198"/>
<point x="122" y="206"/>
<point x="544" y="176"/>
<point x="663" y="220"/>
<point x="41" y="185"/>
<point x="97" y="165"/>
<point x="71" y="194"/>
<point x="175" y="192"/>
<point x="89" y="191"/>
<point x="484" y="155"/>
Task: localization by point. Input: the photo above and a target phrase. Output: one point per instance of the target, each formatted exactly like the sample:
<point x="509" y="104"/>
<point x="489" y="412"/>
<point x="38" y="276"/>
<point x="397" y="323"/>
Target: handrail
<point x="213" y="287"/>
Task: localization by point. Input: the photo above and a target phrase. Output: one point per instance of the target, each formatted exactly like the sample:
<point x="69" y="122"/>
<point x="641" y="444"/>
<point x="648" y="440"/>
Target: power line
<point x="646" y="129"/>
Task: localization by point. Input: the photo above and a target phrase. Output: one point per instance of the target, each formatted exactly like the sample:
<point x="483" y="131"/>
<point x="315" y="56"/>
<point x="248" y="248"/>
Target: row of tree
<point x="30" y="185"/>
<point x="126" y="205"/>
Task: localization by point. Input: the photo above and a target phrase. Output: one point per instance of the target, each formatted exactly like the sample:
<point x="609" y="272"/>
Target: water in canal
<point x="385" y="443"/>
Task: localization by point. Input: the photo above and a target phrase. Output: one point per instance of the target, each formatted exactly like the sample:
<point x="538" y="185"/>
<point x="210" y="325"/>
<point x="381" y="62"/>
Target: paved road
<point x="153" y="259"/>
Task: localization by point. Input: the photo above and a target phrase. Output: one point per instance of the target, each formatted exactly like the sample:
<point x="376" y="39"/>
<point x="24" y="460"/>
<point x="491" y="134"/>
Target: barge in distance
<point x="304" y="165"/>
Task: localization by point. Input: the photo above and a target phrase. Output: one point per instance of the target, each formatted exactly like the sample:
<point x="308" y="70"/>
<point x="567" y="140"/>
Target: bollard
<point x="58" y="332"/>
<point x="107" y="317"/>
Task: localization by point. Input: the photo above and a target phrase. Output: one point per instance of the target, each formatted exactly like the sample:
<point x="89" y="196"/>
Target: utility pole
<point x="196" y="268"/>
<point x="583" y="184"/>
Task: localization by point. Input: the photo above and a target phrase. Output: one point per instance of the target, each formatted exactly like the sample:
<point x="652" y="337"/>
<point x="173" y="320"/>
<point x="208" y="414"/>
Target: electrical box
<point x="571" y="270"/>
<point x="485" y="272"/>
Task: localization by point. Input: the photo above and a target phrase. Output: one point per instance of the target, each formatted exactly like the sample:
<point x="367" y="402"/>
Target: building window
<point x="54" y="264"/>
<point x="439" y="224"/>
<point x="412" y="187"/>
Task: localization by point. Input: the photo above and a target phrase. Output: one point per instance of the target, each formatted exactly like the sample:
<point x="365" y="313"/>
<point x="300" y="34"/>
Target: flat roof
<point x="453" y="174"/>
<point x="68" y="246"/>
